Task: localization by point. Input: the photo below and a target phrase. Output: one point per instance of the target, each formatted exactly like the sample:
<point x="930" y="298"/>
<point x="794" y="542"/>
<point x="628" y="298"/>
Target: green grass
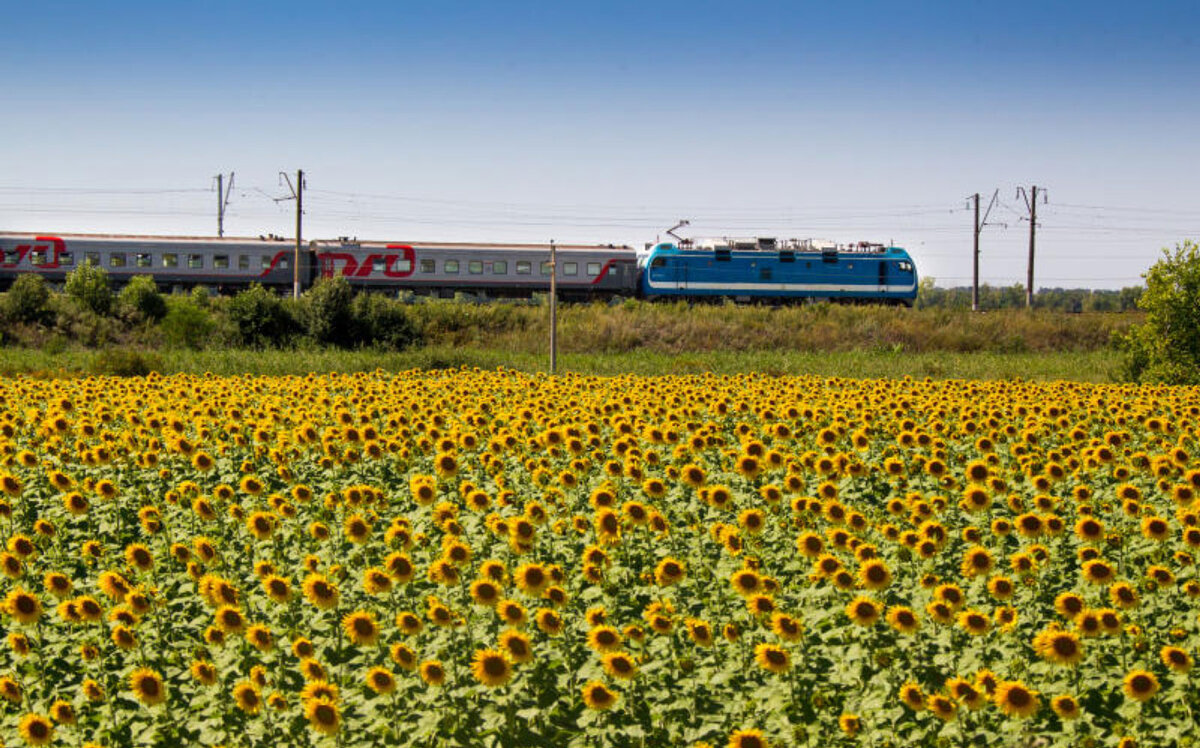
<point x="1090" y="366"/>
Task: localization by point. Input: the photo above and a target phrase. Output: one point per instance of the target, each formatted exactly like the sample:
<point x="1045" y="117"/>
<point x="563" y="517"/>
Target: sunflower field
<point x="472" y="558"/>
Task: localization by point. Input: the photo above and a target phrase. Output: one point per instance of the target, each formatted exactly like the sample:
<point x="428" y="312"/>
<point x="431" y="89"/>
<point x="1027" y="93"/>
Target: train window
<point x="570" y="268"/>
<point x="787" y="255"/>
<point x="500" y="267"/>
<point x="451" y="266"/>
<point x="905" y="267"/>
<point x="243" y="262"/>
<point x="67" y="259"/>
<point x="143" y="260"/>
<point x="11" y="257"/>
<point x="658" y="262"/>
<point x="116" y="260"/>
<point x="402" y="265"/>
<point x="220" y="262"/>
<point x="475" y="267"/>
<point x="524" y="267"/>
<point x="285" y="262"/>
<point x="38" y="257"/>
<point x="195" y="261"/>
<point x="545" y="267"/>
<point x="91" y="258"/>
<point x="723" y="255"/>
<point x="428" y="266"/>
<point x="593" y="269"/>
<point x="378" y="265"/>
<point x="170" y="260"/>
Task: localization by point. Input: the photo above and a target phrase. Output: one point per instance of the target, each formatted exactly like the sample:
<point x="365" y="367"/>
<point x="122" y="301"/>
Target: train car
<point x="497" y="270"/>
<point x="172" y="261"/>
<point x="766" y="269"/>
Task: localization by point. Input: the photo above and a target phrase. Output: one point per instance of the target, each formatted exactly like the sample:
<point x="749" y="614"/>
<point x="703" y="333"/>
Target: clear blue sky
<point x="605" y="122"/>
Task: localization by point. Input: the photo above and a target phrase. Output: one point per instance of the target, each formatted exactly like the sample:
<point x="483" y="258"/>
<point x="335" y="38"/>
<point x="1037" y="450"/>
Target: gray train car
<point x="182" y="261"/>
<point x="500" y="270"/>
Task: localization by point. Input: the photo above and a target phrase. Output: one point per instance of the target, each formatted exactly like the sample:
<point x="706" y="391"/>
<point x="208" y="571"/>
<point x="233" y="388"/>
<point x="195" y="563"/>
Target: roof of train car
<point x="335" y="242"/>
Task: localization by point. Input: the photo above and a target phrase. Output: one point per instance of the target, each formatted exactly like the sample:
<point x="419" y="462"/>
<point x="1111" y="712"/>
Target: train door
<point x="679" y="273"/>
<point x="883" y="276"/>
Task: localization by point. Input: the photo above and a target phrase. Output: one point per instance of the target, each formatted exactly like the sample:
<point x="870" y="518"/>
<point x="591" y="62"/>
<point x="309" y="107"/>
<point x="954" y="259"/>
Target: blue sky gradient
<point x="606" y="122"/>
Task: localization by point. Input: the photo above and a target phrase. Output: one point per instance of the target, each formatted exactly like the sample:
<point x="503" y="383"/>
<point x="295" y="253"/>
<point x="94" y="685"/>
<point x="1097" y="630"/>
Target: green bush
<point x="383" y="322"/>
<point x="258" y="318"/>
<point x="327" y="313"/>
<point x="87" y="285"/>
<point x="186" y="325"/>
<point x="140" y="298"/>
<point x="28" y="300"/>
<point x="119" y="362"/>
<point x="1166" y="348"/>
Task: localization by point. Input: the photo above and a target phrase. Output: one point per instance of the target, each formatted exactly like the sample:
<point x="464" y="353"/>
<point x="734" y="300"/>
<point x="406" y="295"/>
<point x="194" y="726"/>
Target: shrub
<point x="28" y="300"/>
<point x="140" y="297"/>
<point x="119" y="362"/>
<point x="258" y="318"/>
<point x="327" y="314"/>
<point x="87" y="285"/>
<point x="383" y="322"/>
<point x="186" y="325"/>
<point x="1166" y="348"/>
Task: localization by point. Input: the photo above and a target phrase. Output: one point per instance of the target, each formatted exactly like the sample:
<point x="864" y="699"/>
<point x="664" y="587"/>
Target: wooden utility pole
<point x="553" y="309"/>
<point x="1031" y="204"/>
<point x="979" y="229"/>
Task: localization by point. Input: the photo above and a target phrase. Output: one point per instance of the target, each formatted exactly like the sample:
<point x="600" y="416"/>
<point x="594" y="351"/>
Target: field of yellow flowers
<point x="469" y="558"/>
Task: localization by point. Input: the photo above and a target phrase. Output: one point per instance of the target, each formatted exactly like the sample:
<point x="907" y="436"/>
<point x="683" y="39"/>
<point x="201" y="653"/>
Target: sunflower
<point x="147" y="686"/>
<point x="748" y="739"/>
<point x="323" y="716"/>
<point x="669" y="571"/>
<point x="903" y="619"/>
<point x="912" y="696"/>
<point x="965" y="692"/>
<point x="942" y="707"/>
<point x="1069" y="605"/>
<point x="516" y="646"/>
<point x="772" y="658"/>
<point x="977" y="561"/>
<point x="1016" y="699"/>
<point x="247" y="697"/>
<point x="786" y="627"/>
<point x="1140" y="685"/>
<point x="863" y="611"/>
<point x="320" y="591"/>
<point x="24" y="606"/>
<point x="746" y="582"/>
<point x="432" y="672"/>
<point x="36" y="729"/>
<point x="604" y="638"/>
<point x="874" y="575"/>
<point x="974" y="622"/>
<point x="620" y="665"/>
<point x="204" y="673"/>
<point x="1059" y="647"/>
<point x="491" y="668"/>
<point x="532" y="579"/>
<point x="230" y="619"/>
<point x="1065" y="706"/>
<point x="598" y="696"/>
<point x="1176" y="659"/>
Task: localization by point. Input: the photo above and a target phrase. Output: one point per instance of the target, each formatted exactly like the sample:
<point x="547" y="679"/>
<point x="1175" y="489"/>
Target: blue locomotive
<point x="762" y="268"/>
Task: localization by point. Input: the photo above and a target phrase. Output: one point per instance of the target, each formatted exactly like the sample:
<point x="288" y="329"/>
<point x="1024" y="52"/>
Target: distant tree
<point x="140" y="296"/>
<point x="87" y="285"/>
<point x="28" y="300"/>
<point x="1166" y="348"/>
<point x="258" y="318"/>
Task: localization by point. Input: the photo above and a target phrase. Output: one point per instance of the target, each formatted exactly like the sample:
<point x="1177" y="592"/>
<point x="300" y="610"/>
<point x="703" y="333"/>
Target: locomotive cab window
<point x="91" y="258"/>
<point x="221" y="262"/>
<point x="243" y="262"/>
<point x="475" y="267"/>
<point x="143" y="260"/>
<point x="570" y="268"/>
<point x="593" y="269"/>
<point x="195" y="261"/>
<point x="524" y="267"/>
<point x="658" y="262"/>
<point x="428" y="266"/>
<point x="451" y="266"/>
<point x="499" y="267"/>
<point x="170" y="260"/>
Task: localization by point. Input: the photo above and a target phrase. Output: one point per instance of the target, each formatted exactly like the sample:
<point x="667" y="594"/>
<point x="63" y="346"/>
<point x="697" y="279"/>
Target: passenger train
<point x="761" y="269"/>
